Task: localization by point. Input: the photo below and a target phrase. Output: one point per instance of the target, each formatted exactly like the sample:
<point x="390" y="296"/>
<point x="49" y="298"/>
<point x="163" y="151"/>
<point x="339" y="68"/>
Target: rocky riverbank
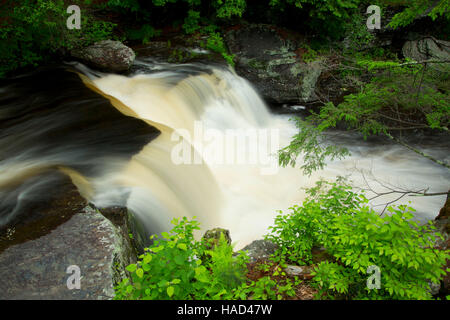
<point x="35" y="257"/>
<point x="37" y="252"/>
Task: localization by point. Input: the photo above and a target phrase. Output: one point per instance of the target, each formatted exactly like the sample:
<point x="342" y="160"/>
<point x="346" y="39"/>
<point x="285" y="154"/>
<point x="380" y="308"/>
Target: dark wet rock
<point x="443" y="287"/>
<point x="444" y="213"/>
<point x="106" y="55"/>
<point x="122" y="220"/>
<point x="36" y="269"/>
<point x="37" y="247"/>
<point x="271" y="59"/>
<point x="260" y="249"/>
<point x="445" y="282"/>
<point x="212" y="237"/>
<point x="442" y="224"/>
<point x="40" y="216"/>
<point x="139" y="234"/>
<point x="435" y="288"/>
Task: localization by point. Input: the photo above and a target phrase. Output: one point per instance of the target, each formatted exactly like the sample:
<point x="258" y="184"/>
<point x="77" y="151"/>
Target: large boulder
<point x="106" y="55"/>
<point x="213" y="237"/>
<point x="429" y="48"/>
<point x="272" y="60"/>
<point x="37" y="269"/>
<point x="260" y="250"/>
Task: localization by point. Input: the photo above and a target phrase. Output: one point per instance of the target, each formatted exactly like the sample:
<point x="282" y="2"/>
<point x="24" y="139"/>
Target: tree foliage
<point x="29" y="31"/>
<point x="400" y="96"/>
<point x="36" y="29"/>
<point x="420" y="8"/>
<point x="340" y="220"/>
<point x="178" y="267"/>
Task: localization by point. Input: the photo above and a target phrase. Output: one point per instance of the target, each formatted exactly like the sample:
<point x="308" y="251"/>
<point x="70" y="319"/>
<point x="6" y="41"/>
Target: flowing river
<point x="214" y="158"/>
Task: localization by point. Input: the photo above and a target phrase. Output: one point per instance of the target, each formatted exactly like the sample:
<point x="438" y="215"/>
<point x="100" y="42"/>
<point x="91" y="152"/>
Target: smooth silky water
<point x="240" y="196"/>
<point x="188" y="102"/>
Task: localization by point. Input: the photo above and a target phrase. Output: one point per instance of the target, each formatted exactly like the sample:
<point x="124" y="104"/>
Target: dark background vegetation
<point x="33" y="32"/>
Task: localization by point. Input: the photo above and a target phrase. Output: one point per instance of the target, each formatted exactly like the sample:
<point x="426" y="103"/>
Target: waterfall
<point x="214" y="155"/>
<point x="235" y="195"/>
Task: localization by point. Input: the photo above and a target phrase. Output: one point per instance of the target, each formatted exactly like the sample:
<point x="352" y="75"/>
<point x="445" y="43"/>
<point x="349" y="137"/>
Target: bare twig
<point x="399" y="192"/>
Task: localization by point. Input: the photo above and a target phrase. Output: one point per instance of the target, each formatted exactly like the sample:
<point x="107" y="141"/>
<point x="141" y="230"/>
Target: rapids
<point x="215" y="156"/>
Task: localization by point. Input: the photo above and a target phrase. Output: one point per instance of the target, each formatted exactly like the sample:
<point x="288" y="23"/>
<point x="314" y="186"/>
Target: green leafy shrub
<point x="395" y="243"/>
<point x="229" y="8"/>
<point x="327" y="17"/>
<point x="32" y="30"/>
<point x="341" y="221"/>
<point x="145" y="33"/>
<point x="131" y="5"/>
<point x="192" y="11"/>
<point x="393" y="97"/>
<point x="262" y="289"/>
<point x="167" y="268"/>
<point x="415" y="8"/>
<point x="321" y="9"/>
<point x="191" y="22"/>
<point x="177" y="266"/>
<point x="296" y="233"/>
<point x="215" y="43"/>
<point x="271" y="286"/>
<point x="399" y="97"/>
<point x="312" y="143"/>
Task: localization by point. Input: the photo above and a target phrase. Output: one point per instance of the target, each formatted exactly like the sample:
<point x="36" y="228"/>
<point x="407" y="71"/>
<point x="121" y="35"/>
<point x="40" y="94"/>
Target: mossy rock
<point x="212" y="237"/>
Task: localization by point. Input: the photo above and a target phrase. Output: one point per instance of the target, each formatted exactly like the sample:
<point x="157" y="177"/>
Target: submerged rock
<point x="106" y="55"/>
<point x="36" y="269"/>
<point x="59" y="200"/>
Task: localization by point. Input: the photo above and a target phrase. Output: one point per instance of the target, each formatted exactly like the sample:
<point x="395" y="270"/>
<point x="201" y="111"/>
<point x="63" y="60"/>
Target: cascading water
<point x="191" y="105"/>
<point x="237" y="196"/>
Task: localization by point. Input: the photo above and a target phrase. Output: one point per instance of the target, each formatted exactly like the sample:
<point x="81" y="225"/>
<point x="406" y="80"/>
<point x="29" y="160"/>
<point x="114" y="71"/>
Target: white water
<point x="236" y="197"/>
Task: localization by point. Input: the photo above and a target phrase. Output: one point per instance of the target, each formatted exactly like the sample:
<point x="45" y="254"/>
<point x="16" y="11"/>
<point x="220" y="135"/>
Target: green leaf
<point x="165" y="235"/>
<point x="179" y="260"/>
<point x="147" y="258"/>
<point x="170" y="291"/>
<point x="131" y="268"/>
